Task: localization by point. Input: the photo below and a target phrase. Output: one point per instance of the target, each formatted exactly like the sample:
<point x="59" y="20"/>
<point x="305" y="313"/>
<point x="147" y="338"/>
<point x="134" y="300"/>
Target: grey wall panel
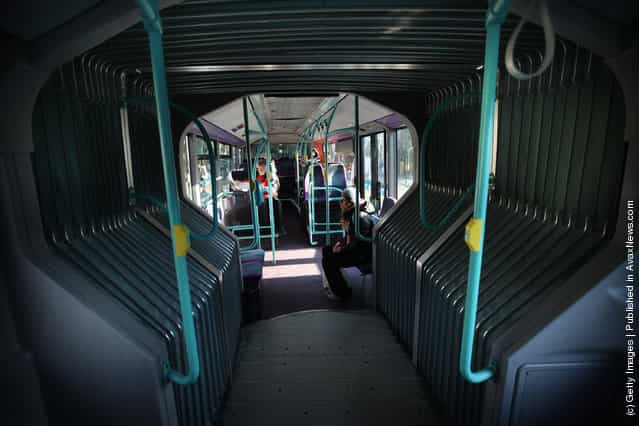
<point x="578" y="352"/>
<point x="92" y="225"/>
<point x="92" y="371"/>
<point x="22" y="402"/>
<point x="85" y="359"/>
<point x="399" y="243"/>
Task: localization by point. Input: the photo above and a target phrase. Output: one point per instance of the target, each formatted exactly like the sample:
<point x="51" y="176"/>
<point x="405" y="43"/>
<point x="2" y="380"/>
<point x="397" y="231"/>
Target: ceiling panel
<point x="314" y="46"/>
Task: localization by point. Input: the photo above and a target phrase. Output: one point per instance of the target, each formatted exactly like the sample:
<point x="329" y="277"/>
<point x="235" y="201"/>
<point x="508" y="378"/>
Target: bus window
<point x="367" y="179"/>
<point x="380" y="139"/>
<point x="373" y="166"/>
<point x="405" y="159"/>
<point x="332" y="153"/>
<point x="283" y="150"/>
<point x="224" y="164"/>
<point x="342" y="152"/>
<point x="185" y="166"/>
<point x="224" y="150"/>
<point x="204" y="172"/>
<point x="237" y="156"/>
<point x="198" y="169"/>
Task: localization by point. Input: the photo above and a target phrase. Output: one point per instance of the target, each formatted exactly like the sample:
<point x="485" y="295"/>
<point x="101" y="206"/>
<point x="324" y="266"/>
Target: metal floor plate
<point x="326" y="368"/>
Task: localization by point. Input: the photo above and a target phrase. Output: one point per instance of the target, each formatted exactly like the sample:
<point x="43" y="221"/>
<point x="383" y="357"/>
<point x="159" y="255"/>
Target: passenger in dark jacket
<point x="351" y="251"/>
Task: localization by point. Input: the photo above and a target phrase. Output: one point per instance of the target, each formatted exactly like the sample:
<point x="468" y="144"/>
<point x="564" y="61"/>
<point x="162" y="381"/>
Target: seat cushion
<point x="252" y="264"/>
<point x="252" y="270"/>
<point x="255" y="255"/>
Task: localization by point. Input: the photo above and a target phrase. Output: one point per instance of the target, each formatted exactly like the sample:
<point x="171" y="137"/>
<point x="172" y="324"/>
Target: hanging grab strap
<point x="497" y="11"/>
<point x="210" y="151"/>
<point x="422" y="169"/>
<point x="149" y="11"/>
<point x="549" y="39"/>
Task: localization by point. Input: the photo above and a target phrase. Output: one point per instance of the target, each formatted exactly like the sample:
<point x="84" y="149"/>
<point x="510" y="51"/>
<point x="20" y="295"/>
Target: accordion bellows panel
<point x="93" y="222"/>
<point x="553" y="206"/>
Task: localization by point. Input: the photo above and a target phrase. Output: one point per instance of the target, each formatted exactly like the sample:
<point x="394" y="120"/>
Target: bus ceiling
<point x="286" y="118"/>
<point x="59" y="33"/>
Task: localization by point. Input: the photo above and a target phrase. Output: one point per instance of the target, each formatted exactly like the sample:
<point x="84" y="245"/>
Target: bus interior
<point x="176" y="176"/>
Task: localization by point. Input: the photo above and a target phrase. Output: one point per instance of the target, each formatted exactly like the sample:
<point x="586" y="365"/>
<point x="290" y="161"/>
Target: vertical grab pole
<point x="180" y="235"/>
<point x="474" y="237"/>
<point x="327" y="211"/>
<point x="311" y="189"/>
<point x="301" y="174"/>
<point x="297" y="174"/>
<point x="266" y="147"/>
<point x="357" y="172"/>
<point x="327" y="226"/>
<point x="253" y="186"/>
<point x="271" y="215"/>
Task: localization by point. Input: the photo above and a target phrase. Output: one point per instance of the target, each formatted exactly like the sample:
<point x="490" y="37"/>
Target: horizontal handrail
<point x="149" y="100"/>
<point x="422" y="168"/>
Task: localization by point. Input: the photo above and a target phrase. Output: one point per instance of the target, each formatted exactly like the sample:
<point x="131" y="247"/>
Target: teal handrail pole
<point x="179" y="234"/>
<point x="266" y="146"/>
<point x="209" y="147"/>
<point x="271" y="215"/>
<point x="327" y="218"/>
<point x="259" y="122"/>
<point x="300" y="193"/>
<point x="422" y="168"/>
<point x="357" y="173"/>
<point x="297" y="173"/>
<point x="495" y="16"/>
<point x="256" y="220"/>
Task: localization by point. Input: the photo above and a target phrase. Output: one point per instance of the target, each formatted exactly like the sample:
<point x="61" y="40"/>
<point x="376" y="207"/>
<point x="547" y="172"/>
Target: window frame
<point x="414" y="158"/>
<point x="374" y="156"/>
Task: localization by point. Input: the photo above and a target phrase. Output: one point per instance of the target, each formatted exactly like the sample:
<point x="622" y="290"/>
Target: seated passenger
<point x="351" y="251"/>
<point x="262" y="178"/>
<point x="315" y="156"/>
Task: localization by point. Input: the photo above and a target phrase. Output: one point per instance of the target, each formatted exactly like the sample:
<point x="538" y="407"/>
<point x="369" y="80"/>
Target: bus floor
<point x="329" y="368"/>
<point x="294" y="282"/>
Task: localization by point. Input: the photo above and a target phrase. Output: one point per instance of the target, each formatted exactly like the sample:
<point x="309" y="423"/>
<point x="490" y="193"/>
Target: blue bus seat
<point x="387" y="204"/>
<point x="315" y="172"/>
<point x="252" y="267"/>
<point x="336" y="178"/>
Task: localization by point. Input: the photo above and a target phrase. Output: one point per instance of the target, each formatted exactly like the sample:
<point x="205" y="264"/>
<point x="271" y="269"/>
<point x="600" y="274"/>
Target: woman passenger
<point x="351" y="251"/>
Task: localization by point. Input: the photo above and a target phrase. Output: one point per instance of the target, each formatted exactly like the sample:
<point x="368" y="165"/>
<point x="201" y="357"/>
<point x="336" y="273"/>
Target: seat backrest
<point x="285" y="167"/>
<point x="254" y="255"/>
<point x="366" y="223"/>
<point x="252" y="264"/>
<point x="316" y="173"/>
<point x="387" y="204"/>
<point x="239" y="175"/>
<point x="337" y="175"/>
